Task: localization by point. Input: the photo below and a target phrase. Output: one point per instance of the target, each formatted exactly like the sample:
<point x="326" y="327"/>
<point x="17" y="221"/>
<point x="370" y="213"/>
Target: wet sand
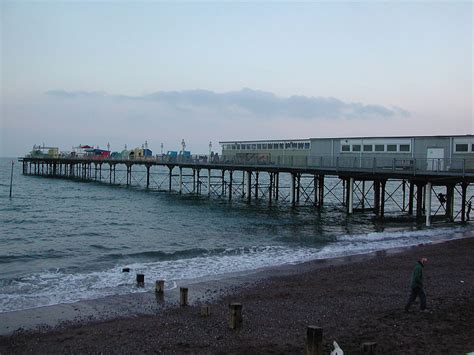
<point x="355" y="299"/>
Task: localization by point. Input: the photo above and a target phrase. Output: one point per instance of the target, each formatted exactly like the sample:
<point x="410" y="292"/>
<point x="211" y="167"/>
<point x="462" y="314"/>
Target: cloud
<point x="248" y="102"/>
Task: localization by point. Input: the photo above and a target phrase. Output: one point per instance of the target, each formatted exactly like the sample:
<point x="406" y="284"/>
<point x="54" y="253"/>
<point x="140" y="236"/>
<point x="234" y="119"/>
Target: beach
<point x="354" y="299"/>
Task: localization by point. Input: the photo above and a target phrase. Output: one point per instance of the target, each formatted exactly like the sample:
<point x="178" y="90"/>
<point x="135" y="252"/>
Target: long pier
<point x="426" y="195"/>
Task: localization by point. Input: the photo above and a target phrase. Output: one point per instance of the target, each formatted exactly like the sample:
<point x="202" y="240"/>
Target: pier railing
<point x="412" y="166"/>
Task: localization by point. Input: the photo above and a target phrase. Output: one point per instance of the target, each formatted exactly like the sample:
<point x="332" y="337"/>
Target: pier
<point x="402" y="187"/>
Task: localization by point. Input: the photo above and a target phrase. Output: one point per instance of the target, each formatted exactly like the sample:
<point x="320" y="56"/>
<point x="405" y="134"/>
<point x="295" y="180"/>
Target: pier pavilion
<point x="427" y="177"/>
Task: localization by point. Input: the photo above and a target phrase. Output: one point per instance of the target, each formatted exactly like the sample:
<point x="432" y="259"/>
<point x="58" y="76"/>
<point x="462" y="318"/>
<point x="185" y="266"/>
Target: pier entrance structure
<point x="427" y="177"/>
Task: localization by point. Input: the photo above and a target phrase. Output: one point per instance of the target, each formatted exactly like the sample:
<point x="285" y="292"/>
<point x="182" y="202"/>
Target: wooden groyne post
<point x="314" y="340"/>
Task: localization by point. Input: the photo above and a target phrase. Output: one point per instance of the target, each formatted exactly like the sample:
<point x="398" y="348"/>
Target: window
<point x="254" y="146"/>
<point x="287" y="145"/>
<point x="404" y="147"/>
<point x="238" y="146"/>
<point x="270" y="146"/>
<point x="391" y="147"/>
<point x="300" y="145"/>
<point x="345" y="148"/>
<point x="275" y="145"/>
<point x="282" y="146"/>
<point x="356" y="147"/>
<point x="264" y="146"/>
<point x="472" y="148"/>
<point x="379" y="148"/>
<point x="243" y="146"/>
<point x="259" y="146"/>
<point x="461" y="147"/>
<point x="368" y="147"/>
<point x="248" y="146"/>
<point x="306" y="146"/>
<point x="294" y="145"/>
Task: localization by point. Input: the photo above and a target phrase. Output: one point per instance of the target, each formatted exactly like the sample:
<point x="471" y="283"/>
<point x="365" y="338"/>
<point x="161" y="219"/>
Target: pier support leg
<point x="450" y="202"/>
<point x="411" y="196"/>
<point x="315" y="187"/>
<point x="292" y="190"/>
<point x="419" y="202"/>
<point x="170" y="178"/>
<point x="180" y="180"/>
<point x="230" y="184"/>
<point x="223" y="182"/>
<point x="110" y="174"/>
<point x="147" y="177"/>
<point x="198" y="182"/>
<point x="277" y="186"/>
<point x="363" y="195"/>
<point x="243" y="184"/>
<point x="209" y="183"/>
<point x="256" y="185"/>
<point x="270" y="188"/>
<point x="377" y="197"/>
<point x="194" y="180"/>
<point x="403" y="195"/>
<point x="350" y="202"/>
<point x="298" y="189"/>
<point x="464" y="186"/>
<point x="428" y="204"/>
<point x="382" y="198"/>
<point x="249" y="186"/>
<point x="321" y="191"/>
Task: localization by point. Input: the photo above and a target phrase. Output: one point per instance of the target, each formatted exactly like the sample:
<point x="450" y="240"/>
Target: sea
<point x="63" y="241"/>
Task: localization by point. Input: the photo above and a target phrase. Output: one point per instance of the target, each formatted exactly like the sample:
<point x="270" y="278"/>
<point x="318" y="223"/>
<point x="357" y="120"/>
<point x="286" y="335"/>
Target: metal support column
<point x="231" y="172"/>
<point x="292" y="190"/>
<point x="147" y="177"/>
<point x="249" y="186"/>
<point x="382" y="198"/>
<point x="350" y="207"/>
<point x="428" y="204"/>
<point x="464" y="186"/>
<point x="256" y="185"/>
<point x="411" y="196"/>
<point x="209" y="183"/>
<point x="180" y="180"/>
<point x="170" y="178"/>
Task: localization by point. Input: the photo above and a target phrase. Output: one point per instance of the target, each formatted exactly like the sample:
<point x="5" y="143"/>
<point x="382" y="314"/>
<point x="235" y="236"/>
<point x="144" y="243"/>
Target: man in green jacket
<point x="417" y="285"/>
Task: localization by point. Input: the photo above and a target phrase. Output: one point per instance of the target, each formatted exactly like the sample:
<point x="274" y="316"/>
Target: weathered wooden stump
<point x="205" y="311"/>
<point x="369" y="348"/>
<point x="140" y="280"/>
<point x="183" y="296"/>
<point x="126" y="269"/>
<point x="235" y="315"/>
<point x="314" y="340"/>
<point x="160" y="286"/>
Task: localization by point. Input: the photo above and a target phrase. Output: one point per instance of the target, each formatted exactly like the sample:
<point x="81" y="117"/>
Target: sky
<point x="123" y="72"/>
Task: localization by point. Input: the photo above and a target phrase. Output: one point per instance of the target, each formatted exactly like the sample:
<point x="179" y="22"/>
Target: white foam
<point x="51" y="288"/>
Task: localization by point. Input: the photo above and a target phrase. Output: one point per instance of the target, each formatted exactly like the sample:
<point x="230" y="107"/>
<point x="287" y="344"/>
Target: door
<point x="435" y="159"/>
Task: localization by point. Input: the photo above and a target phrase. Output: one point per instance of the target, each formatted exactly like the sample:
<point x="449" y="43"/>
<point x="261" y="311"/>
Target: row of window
<point x="261" y="146"/>
<point x="379" y="148"/>
<point x="463" y="148"/>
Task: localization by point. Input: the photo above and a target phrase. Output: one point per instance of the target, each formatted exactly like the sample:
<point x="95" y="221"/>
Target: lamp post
<point x="210" y="150"/>
<point x="108" y="146"/>
<point x="162" y="146"/>
<point x="183" y="145"/>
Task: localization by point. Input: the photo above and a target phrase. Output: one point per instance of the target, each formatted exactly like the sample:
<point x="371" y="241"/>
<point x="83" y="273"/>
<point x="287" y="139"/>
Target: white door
<point x="435" y="159"/>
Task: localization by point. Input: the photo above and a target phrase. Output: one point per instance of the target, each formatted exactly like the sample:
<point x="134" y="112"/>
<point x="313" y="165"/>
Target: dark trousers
<point x="416" y="292"/>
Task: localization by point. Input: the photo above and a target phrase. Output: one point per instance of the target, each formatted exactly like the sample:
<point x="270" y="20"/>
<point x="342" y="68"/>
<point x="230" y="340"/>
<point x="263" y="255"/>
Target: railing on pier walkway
<point x="454" y="167"/>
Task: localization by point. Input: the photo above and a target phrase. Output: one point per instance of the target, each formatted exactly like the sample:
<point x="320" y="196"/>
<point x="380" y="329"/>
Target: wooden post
<point x="140" y="280"/>
<point x="235" y="315"/>
<point x="368" y="348"/>
<point x="314" y="340"/>
<point x="183" y="296"/>
<point x="160" y="286"/>
<point x="205" y="311"/>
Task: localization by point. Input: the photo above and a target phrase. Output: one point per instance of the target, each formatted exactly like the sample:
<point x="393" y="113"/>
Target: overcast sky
<point x="125" y="72"/>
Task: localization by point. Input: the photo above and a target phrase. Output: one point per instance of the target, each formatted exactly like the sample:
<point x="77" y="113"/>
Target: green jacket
<point x="417" y="277"/>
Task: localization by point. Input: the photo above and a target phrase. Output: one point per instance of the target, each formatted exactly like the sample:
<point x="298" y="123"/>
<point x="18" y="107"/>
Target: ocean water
<point x="62" y="241"/>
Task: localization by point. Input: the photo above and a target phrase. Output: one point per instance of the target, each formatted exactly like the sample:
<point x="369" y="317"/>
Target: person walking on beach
<point x="417" y="286"/>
